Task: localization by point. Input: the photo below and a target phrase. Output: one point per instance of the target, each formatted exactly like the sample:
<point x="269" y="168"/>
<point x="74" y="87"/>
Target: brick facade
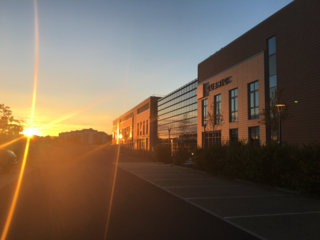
<point x="297" y="31"/>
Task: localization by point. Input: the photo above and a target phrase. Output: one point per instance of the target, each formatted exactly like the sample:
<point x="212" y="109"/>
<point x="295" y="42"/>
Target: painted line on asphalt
<point x="203" y="186"/>
<point x="271" y="215"/>
<point x="166" y="179"/>
<point x="146" y="175"/>
<point x="259" y="196"/>
<point x="202" y="208"/>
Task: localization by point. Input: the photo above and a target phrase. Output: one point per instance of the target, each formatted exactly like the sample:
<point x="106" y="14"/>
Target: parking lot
<point x="266" y="213"/>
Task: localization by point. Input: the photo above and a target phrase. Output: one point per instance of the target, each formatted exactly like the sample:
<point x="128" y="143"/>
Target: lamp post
<point x="280" y="108"/>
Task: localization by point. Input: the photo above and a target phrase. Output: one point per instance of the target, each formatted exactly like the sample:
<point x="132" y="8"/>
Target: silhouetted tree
<point x="270" y="117"/>
<point x="8" y="124"/>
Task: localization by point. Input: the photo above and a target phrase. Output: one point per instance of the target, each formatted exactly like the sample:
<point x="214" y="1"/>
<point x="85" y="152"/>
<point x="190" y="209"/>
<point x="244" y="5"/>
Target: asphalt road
<point x="67" y="196"/>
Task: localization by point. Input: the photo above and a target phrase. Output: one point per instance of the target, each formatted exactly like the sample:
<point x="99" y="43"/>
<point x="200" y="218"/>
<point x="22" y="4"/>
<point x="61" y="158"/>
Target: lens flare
<point x="29" y="132"/>
<point x="10" y="142"/>
<point x="35" y="81"/>
<point x="16" y="193"/>
<point x="112" y="193"/>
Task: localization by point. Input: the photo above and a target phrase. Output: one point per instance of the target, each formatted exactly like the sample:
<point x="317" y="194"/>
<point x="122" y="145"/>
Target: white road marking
<point x="174" y="174"/>
<point x="200" y="179"/>
<point x="203" y="186"/>
<point x="270" y="215"/>
<point x="235" y="197"/>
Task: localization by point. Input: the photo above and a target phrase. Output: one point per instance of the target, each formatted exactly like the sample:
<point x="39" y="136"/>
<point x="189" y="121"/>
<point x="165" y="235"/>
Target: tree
<point x="183" y="124"/>
<point x="270" y="117"/>
<point x="8" y="124"/>
<point x="214" y="118"/>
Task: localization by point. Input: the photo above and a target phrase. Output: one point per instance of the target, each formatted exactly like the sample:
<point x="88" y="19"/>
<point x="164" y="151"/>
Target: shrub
<point x="288" y="166"/>
<point x="162" y="153"/>
<point x="181" y="156"/>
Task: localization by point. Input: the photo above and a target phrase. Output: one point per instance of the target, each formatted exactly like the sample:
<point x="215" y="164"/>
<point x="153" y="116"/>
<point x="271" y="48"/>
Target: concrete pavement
<point x="264" y="212"/>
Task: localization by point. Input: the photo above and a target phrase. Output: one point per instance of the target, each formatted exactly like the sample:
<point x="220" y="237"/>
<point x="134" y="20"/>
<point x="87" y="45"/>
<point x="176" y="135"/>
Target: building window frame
<point x="234" y="135"/>
<point x="217" y="109"/>
<point x="147" y="132"/>
<point x="204" y="111"/>
<point x="144" y="127"/>
<point x="233" y="105"/>
<point x="212" y="137"/>
<point x="140" y="128"/>
<point x="254" y="135"/>
<point x="137" y="129"/>
<point x="253" y="100"/>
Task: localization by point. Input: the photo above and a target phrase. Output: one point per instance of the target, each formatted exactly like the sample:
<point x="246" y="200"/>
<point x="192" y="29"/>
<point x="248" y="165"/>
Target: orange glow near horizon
<point x="10" y="142"/>
<point x="29" y="132"/>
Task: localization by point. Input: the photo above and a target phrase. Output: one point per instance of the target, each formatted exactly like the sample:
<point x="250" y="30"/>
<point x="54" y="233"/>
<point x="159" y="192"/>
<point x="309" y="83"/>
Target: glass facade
<point x="178" y="111"/>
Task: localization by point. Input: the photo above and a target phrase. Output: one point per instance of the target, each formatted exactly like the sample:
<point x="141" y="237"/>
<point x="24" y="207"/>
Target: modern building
<point x="177" y="117"/>
<point x="236" y="83"/>
<point x="137" y="128"/>
<point x="85" y="136"/>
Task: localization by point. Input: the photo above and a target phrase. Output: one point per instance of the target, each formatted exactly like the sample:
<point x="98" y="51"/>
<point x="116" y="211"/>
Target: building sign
<point x="219" y="84"/>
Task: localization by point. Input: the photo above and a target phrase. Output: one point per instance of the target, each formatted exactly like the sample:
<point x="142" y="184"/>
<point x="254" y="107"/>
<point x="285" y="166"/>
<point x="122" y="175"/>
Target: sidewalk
<point x="265" y="212"/>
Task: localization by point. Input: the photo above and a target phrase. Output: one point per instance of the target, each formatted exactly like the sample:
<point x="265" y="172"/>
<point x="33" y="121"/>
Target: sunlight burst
<point x="29" y="132"/>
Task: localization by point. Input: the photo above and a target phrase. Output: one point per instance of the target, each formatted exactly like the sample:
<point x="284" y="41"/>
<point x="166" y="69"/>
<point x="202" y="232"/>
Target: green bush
<point x="181" y="156"/>
<point x="288" y="166"/>
<point x="162" y="153"/>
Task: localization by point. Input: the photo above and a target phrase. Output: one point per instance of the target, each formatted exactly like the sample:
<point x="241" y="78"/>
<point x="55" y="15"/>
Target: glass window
<point x="204" y="111"/>
<point x="211" y="137"/>
<point x="140" y="128"/>
<point x="273" y="81"/>
<point x="144" y="127"/>
<point x="254" y="135"/>
<point x="233" y="135"/>
<point x="206" y="92"/>
<point x="137" y="129"/>
<point x="254" y="100"/>
<point x="217" y="109"/>
<point x="234" y="105"/>
<point x="272" y="65"/>
<point x="272" y="45"/>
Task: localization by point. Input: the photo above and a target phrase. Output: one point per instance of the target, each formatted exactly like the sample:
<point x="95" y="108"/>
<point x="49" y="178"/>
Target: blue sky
<point x="110" y="54"/>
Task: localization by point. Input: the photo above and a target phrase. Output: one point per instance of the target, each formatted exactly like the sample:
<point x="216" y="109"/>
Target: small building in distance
<point x="85" y="136"/>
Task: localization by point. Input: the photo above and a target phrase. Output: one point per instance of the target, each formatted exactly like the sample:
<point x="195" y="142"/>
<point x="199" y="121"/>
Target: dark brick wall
<point x="297" y="28"/>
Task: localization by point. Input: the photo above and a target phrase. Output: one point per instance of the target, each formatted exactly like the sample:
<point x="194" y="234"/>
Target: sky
<point x="98" y="59"/>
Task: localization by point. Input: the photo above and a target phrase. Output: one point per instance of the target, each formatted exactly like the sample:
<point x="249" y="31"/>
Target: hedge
<point x="288" y="166"/>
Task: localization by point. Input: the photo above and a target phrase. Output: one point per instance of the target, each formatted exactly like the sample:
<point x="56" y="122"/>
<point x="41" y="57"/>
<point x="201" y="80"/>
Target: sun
<point x="29" y="132"/>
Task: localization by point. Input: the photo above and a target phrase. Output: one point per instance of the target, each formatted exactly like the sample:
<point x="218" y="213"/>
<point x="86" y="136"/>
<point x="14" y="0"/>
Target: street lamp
<point x="121" y="137"/>
<point x="280" y="108"/>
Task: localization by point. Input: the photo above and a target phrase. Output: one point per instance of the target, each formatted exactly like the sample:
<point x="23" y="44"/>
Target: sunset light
<point x="29" y="132"/>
